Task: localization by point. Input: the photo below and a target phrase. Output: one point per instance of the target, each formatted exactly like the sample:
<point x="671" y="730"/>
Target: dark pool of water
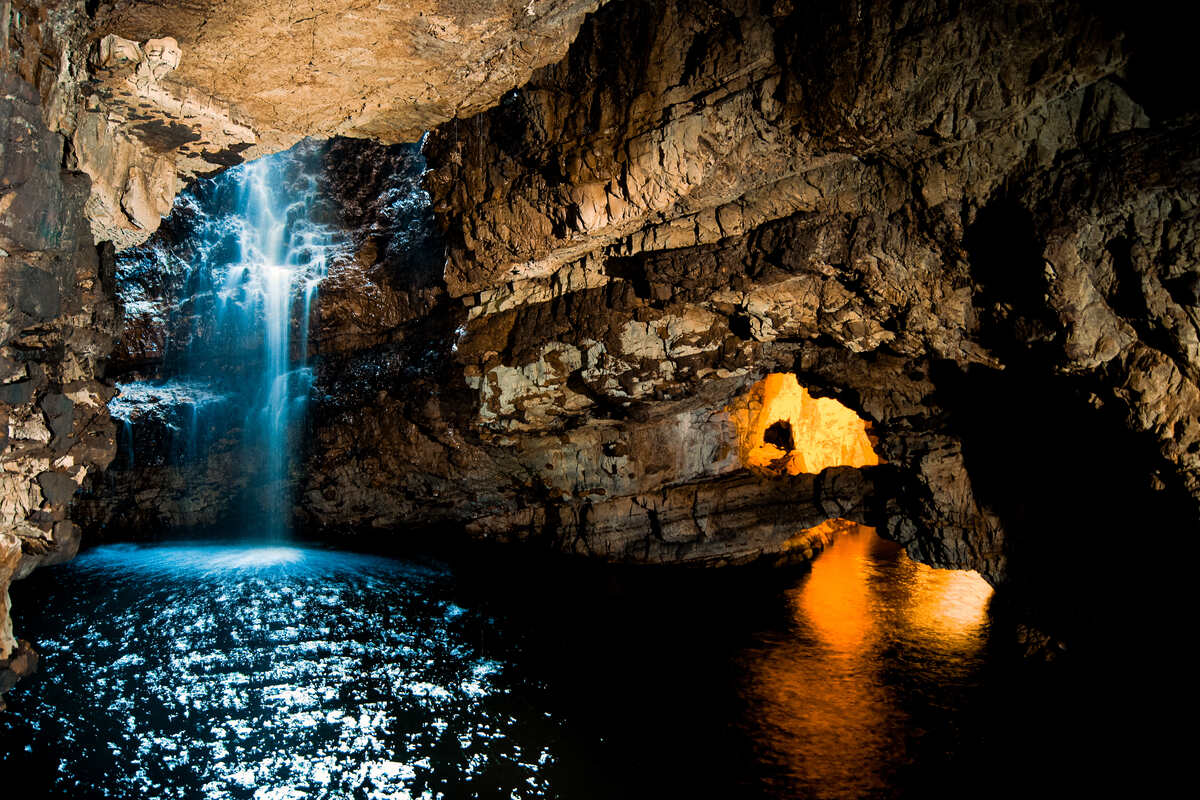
<point x="199" y="670"/>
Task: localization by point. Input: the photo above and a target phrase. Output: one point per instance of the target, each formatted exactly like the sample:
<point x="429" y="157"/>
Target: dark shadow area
<point x="1008" y="268"/>
<point x="780" y="434"/>
<point x="1159" y="38"/>
<point x="1080" y="505"/>
<point x="1070" y="482"/>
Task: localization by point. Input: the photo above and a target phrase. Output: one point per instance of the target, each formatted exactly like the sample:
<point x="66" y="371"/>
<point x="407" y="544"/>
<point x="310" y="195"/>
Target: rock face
<point x="150" y="95"/>
<point x="972" y="224"/>
<point x="57" y="317"/>
<point x="386" y="72"/>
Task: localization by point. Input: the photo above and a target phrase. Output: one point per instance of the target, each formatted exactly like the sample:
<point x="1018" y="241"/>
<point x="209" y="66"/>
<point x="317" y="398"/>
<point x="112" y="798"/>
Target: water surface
<point x="201" y="670"/>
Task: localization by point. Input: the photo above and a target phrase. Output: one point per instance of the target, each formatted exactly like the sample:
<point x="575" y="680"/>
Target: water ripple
<point x="268" y="672"/>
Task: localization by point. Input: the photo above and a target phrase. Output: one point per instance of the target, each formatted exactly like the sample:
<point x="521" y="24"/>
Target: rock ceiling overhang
<point x="169" y="90"/>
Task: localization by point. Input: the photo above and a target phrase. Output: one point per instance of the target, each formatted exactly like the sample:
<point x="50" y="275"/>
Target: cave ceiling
<point x="153" y="93"/>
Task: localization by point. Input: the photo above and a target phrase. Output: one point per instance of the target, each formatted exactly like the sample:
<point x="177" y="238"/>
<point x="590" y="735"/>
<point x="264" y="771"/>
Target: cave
<point x="782" y="428"/>
<point x="594" y="398"/>
<point x="779" y="434"/>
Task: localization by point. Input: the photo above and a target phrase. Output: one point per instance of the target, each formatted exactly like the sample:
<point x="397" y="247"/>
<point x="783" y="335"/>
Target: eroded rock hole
<point x="781" y="428"/>
<point x="779" y="434"/>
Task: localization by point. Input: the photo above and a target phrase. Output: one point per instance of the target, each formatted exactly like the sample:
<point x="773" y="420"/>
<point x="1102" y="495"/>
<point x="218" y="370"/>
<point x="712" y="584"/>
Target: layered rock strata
<point x="972" y="224"/>
<point x="57" y="317"/>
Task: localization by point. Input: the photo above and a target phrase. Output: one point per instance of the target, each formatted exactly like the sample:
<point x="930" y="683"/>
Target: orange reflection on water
<point x="845" y="596"/>
<point x="819" y="695"/>
<point x="946" y="603"/>
<point x="834" y="598"/>
<point x="824" y="432"/>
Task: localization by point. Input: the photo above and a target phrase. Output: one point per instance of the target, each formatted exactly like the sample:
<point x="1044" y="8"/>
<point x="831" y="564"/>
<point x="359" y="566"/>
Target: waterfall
<point x="248" y="251"/>
<point x="282" y="258"/>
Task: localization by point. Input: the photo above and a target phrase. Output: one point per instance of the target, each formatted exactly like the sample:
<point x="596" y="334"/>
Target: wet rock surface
<point x="57" y="318"/>
<point x="957" y="219"/>
<point x="200" y="387"/>
<point x="973" y="225"/>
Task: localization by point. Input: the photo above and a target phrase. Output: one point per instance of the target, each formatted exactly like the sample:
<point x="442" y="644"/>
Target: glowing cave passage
<point x="781" y="427"/>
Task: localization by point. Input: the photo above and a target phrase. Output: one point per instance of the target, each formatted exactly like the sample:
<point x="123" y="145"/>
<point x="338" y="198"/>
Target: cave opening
<point x="782" y="428"/>
<point x="780" y="435"/>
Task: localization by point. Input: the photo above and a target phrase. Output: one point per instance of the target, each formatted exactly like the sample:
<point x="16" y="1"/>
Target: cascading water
<point x="283" y="256"/>
<point x="252" y="247"/>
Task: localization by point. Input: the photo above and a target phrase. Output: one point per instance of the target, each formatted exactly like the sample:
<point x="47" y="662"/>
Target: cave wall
<point x="57" y="318"/>
<point x="395" y="441"/>
<point x="650" y="225"/>
<point x="972" y="223"/>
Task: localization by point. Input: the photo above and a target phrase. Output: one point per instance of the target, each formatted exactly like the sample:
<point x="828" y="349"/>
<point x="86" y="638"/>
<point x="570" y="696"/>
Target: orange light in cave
<point x="865" y="586"/>
<point x="782" y="428"/>
<point x="823" y="698"/>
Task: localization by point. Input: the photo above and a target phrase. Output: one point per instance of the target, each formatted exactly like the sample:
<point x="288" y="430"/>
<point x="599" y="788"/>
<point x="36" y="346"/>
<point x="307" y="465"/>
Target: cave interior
<point x="633" y="287"/>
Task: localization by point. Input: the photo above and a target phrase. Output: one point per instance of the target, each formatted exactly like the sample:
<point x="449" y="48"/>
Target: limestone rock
<point x="57" y="318"/>
<point x="734" y="519"/>
<point x="973" y="224"/>
<point x="963" y="233"/>
<point x="151" y="95"/>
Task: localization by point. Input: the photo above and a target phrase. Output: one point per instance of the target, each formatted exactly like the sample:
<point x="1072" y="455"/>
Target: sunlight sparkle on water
<point x="253" y="557"/>
<point x="260" y="671"/>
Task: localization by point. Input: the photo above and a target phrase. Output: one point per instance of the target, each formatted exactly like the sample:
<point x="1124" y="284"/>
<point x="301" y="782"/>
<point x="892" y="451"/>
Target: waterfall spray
<point x="283" y="257"/>
<point x="258" y="246"/>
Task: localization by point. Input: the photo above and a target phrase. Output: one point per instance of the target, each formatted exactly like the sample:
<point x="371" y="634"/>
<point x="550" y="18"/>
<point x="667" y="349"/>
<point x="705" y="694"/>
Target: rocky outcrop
<point x="737" y="518"/>
<point x="179" y="465"/>
<point x="959" y="219"/>
<point x="151" y="95"/>
<point x="22" y="663"/>
<point x="388" y="73"/>
<point x="57" y="317"/>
